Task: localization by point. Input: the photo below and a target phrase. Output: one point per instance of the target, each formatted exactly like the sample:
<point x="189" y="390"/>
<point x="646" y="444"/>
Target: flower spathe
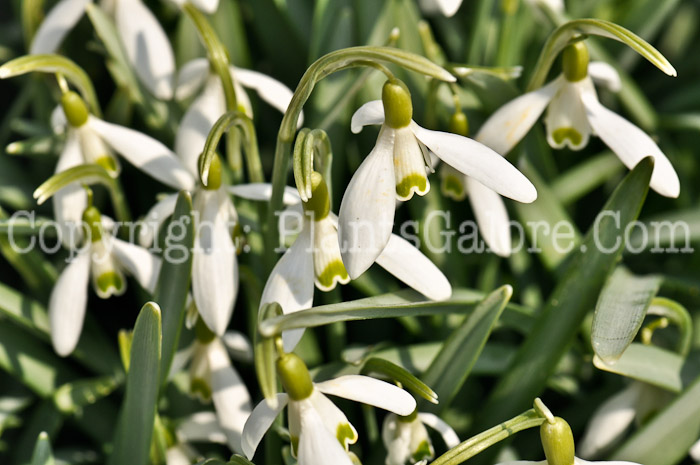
<point x="573" y="114"/>
<point x="320" y="432"/>
<point x="396" y="168"/>
<point x="407" y="440"/>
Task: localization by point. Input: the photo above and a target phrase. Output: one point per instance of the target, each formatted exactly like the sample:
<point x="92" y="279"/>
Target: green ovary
<point x="412" y="183"/>
<point x="108" y="281"/>
<point x="561" y="134"/>
<point x="345" y="434"/>
<point x="333" y="272"/>
<point x="422" y="452"/>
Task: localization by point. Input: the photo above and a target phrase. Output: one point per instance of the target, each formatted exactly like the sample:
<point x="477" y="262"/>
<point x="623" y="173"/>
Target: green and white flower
<point x="573" y="114"/>
<point x="320" y="432"/>
<point x="407" y="441"/>
<point x="396" y="169"/>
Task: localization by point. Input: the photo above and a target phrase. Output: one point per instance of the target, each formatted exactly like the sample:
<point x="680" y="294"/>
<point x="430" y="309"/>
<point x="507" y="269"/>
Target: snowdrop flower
<point x="446" y="7"/>
<point x="573" y="114"/>
<point x="91" y="140"/>
<point x="396" y="168"/>
<point x="695" y="452"/>
<point x="210" y="104"/>
<point x="315" y="257"/>
<point x="103" y="261"/>
<point x="199" y="427"/>
<point x="207" y="6"/>
<point x="407" y="440"/>
<point x="320" y="432"/>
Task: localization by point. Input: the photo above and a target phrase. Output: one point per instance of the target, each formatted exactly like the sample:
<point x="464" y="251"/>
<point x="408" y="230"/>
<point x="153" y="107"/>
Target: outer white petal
<point x="207" y="6"/>
<point x="333" y="418"/>
<point x="196" y="124"/>
<point x="139" y="262"/>
<point x="317" y="445"/>
<point x="367" y="209"/>
<point x="144" y="152"/>
<point x="478" y="161"/>
<point x="178" y="455"/>
<point x="214" y="265"/>
<point x="631" y="145"/>
<point x="370" y="391"/>
<point x="60" y="20"/>
<point x="291" y="283"/>
<point x="491" y="216"/>
<point x="605" y="74"/>
<point x="202" y="426"/>
<point x="695" y="452"/>
<point x="229" y="393"/>
<point x="505" y="128"/>
<point x="259" y="422"/>
<point x="396" y="436"/>
<point x="155" y="218"/>
<point x="146" y="46"/>
<point x="448" y="434"/>
<point x="578" y="461"/>
<point x="408" y="264"/>
<point x="368" y="114"/>
<point x="449" y="7"/>
<point x="70" y="202"/>
<point x="610" y="421"/>
<point x="238" y="346"/>
<point x="269" y="89"/>
<point x="263" y="191"/>
<point x="67" y="304"/>
<point x="191" y="77"/>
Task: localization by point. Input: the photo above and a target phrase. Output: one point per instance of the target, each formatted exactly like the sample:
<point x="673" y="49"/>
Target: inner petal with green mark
<point x="107" y="278"/>
<point x="452" y="184"/>
<point x="424" y="451"/>
<point x="346" y="434"/>
<point x="566" y="119"/>
<point x="109" y="283"/>
<point x="200" y="388"/>
<point x="328" y="264"/>
<point x="96" y="151"/>
<point x="409" y="166"/>
<point x="562" y="134"/>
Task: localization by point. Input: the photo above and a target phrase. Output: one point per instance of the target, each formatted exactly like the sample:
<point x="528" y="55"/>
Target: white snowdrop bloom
<point x="207" y="6"/>
<point x="694" y="452"/>
<point x="573" y="114"/>
<point x="320" y="432"/>
<point x="198" y="427"/>
<point x="103" y="260"/>
<point x="315" y="258"/>
<point x="407" y="441"/>
<point x="210" y="104"/>
<point x="445" y="7"/>
<point x="396" y="168"/>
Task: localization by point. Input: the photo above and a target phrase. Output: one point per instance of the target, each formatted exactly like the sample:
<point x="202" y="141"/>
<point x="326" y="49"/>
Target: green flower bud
<point x="295" y="376"/>
<point x="557" y="442"/>
<point x="398" y="108"/>
<point x="575" y="61"/>
<point x="203" y="333"/>
<point x="459" y="123"/>
<point x="215" y="172"/>
<point x="93" y="223"/>
<point x="320" y="202"/>
<point x="75" y="109"/>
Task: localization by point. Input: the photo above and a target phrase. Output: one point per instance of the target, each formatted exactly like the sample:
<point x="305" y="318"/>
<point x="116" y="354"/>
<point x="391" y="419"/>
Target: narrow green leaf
<point x="132" y="442"/>
<point x="586" y="176"/>
<point x="238" y="460"/>
<point x="570" y="301"/>
<point x="665" y="439"/>
<point x="450" y="369"/>
<point x="401" y="375"/>
<point x="620" y="312"/>
<point x="72" y="397"/>
<point x="671" y="232"/>
<point x="174" y="279"/>
<point x="42" y="451"/>
<point x="650" y="364"/>
<point x="265" y="355"/>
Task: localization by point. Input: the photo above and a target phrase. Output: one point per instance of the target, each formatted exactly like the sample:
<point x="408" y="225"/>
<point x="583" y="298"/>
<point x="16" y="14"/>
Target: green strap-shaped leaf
<point x="450" y="369"/>
<point x="42" y="451"/>
<point x="620" y="312"/>
<point x="573" y="297"/>
<point x="580" y="180"/>
<point x="72" y="397"/>
<point x="649" y="364"/>
<point x="132" y="442"/>
<point x="174" y="279"/>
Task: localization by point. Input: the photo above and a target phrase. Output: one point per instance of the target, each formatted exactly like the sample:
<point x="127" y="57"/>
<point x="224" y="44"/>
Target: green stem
<point x="678" y="315"/>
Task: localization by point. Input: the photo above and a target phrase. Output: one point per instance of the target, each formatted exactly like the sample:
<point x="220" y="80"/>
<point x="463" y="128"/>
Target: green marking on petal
<point x="200" y="388"/>
<point x="110" y="283"/>
<point x="424" y="451"/>
<point x="109" y="164"/>
<point x="561" y="134"/>
<point x="346" y="435"/>
<point x="453" y="187"/>
<point x="417" y="183"/>
<point x="295" y="444"/>
<point x="334" y="272"/>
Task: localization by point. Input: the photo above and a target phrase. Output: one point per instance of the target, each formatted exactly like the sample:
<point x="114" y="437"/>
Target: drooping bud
<point x="75" y="109"/>
<point x="557" y="442"/>
<point x="215" y="173"/>
<point x="319" y="205"/>
<point x="295" y="376"/>
<point x="575" y="61"/>
<point x="92" y="221"/>
<point x="398" y="108"/>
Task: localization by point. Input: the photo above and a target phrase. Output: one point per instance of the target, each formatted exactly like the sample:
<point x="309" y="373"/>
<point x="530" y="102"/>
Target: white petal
<point x="448" y="434"/>
<point x="578" y="461"/>
<point x="259" y="422"/>
<point x="566" y="121"/>
<point x="191" y="77"/>
<point x="408" y="264"/>
<point x="139" y="262"/>
<point x="610" y="421"/>
<point x="328" y="263"/>
<point x="529" y="462"/>
<point x="67" y="304"/>
<point x="201" y="427"/>
<point x="367" y="209"/>
<point x="263" y="191"/>
<point x="269" y="89"/>
<point x="214" y="266"/>
<point x="291" y="283"/>
<point x="60" y="20"/>
<point x="491" y="216"/>
<point x="409" y="166"/>
<point x="478" y="161"/>
<point x="178" y="455"/>
<point x="505" y="128"/>
<point x="147" y="47"/>
<point x="695" y="452"/>
<point x="370" y="391"/>
<point x="238" y="346"/>
<point x="449" y="7"/>
<point x="317" y="445"/>
<point x="70" y="202"/>
<point x="103" y="265"/>
<point x="229" y="393"/>
<point x="181" y="359"/>
<point x="155" y="218"/>
<point x="207" y="6"/>
<point x="334" y="419"/>
<point x="144" y="152"/>
<point x="368" y="114"/>
<point x="396" y="436"/>
<point x="604" y="74"/>
<point x="631" y="145"/>
<point x="58" y="120"/>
